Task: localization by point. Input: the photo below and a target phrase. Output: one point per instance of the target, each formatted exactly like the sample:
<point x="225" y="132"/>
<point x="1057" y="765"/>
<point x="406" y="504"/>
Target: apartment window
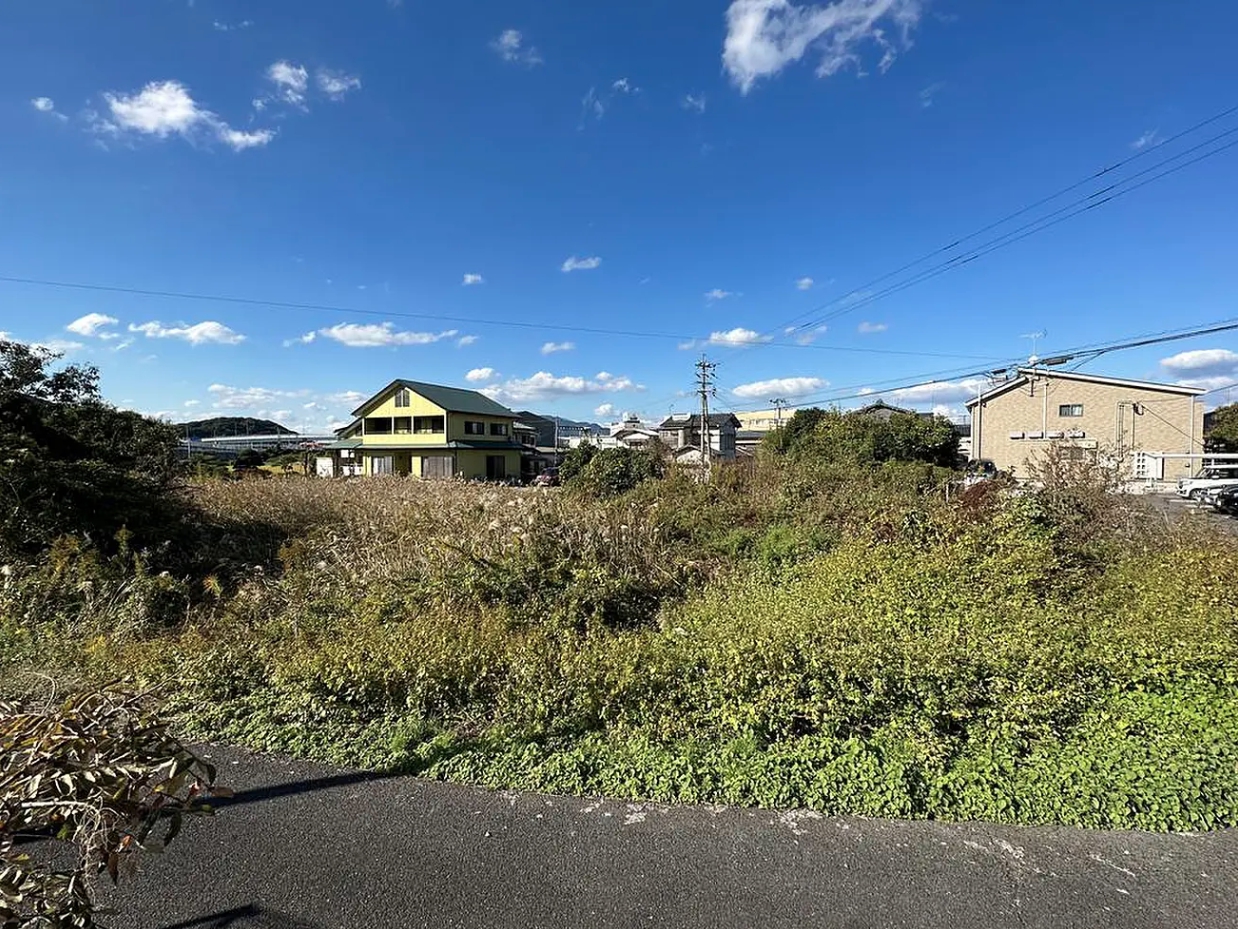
<point x="1070" y="409"/>
<point x="403" y="399"/>
<point x="403" y="425"/>
<point x="428" y="425"/>
<point x="498" y="428"/>
<point x="378" y="425"/>
<point x="471" y="428"/>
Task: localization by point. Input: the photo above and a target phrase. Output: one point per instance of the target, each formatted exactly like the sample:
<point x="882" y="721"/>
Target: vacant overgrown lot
<point x="795" y="636"/>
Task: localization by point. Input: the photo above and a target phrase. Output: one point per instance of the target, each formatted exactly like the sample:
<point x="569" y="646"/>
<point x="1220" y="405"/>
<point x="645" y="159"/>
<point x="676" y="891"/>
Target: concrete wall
<point x="1169" y="423"/>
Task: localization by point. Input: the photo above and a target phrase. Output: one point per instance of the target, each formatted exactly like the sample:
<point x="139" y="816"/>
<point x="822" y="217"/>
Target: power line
<point x="437" y="317"/>
<point x="1014" y="215"/>
<point x="1060" y="358"/>
<point x="1048" y="221"/>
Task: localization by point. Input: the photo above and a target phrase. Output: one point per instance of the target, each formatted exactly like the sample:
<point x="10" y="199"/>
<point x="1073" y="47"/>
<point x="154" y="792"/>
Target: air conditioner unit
<point x="1035" y="435"/>
<point x="1016" y="435"/>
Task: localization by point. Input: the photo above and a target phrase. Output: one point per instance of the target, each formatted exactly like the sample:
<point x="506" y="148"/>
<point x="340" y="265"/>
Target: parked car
<point x="548" y="478"/>
<point x="1210" y="478"/>
<point x="1225" y="500"/>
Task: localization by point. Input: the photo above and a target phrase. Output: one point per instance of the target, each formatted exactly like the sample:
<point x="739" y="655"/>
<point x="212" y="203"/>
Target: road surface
<point x="304" y="846"/>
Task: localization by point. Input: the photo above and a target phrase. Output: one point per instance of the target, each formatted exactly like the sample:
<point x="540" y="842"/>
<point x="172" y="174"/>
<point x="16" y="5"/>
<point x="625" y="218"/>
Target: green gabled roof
<point x="451" y="399"/>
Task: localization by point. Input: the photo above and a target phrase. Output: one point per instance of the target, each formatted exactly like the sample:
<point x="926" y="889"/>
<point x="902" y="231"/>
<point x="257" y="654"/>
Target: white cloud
<point x="90" y="324"/>
<point x="197" y="334"/>
<point x="166" y="108"/>
<point x="718" y="294"/>
<point x="466" y="340"/>
<point x="231" y="27"/>
<point x="606" y="409"/>
<point x="48" y="105"/>
<point x="481" y="375"/>
<point x="551" y="347"/>
<point x="737" y="337"/>
<point x="306" y="339"/>
<point x="764" y="36"/>
<point x="291" y="82"/>
<point x="349" y="397"/>
<point x="581" y="264"/>
<point x="591" y="105"/>
<point x="807" y="336"/>
<point x="1205" y="361"/>
<point x="544" y="385"/>
<point x="695" y="102"/>
<point x="781" y="387"/>
<point x="939" y="392"/>
<point x="336" y="84"/>
<point x="1149" y="138"/>
<point x="380" y="335"/>
<point x="804" y="283"/>
<point x="189" y="404"/>
<point x="510" y="47"/>
<point x="225" y="397"/>
<point x="624" y="86"/>
<point x="867" y="327"/>
<point x="929" y="94"/>
<point x="472" y="279"/>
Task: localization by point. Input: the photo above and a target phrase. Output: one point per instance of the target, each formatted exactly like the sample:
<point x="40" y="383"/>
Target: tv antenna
<point x="1035" y="337"/>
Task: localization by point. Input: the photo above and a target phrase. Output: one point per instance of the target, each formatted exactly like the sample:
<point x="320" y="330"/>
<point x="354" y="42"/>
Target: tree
<point x="1223" y="436"/>
<point x="576" y="460"/>
<point x="70" y="463"/>
<point x="802" y="423"/>
<point x="614" y="471"/>
<point x="859" y="438"/>
<point x="248" y="460"/>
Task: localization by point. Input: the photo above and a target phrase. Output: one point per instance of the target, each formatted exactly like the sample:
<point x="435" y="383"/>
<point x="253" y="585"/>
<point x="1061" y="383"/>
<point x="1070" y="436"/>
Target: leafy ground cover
<point x="796" y="634"/>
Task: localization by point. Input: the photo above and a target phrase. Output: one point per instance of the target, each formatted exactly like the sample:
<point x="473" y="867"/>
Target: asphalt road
<point x="304" y="846"/>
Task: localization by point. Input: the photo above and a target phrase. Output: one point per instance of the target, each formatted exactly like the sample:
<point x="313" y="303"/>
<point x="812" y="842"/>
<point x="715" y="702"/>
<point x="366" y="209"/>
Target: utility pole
<point x="778" y="403"/>
<point x="705" y="387"/>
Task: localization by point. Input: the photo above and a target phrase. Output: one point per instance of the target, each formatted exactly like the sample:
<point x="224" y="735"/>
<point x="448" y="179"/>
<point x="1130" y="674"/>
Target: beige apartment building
<point x="1100" y="417"/>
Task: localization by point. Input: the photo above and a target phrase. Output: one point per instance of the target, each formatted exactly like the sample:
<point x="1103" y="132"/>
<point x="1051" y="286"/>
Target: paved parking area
<point x="1177" y="508"/>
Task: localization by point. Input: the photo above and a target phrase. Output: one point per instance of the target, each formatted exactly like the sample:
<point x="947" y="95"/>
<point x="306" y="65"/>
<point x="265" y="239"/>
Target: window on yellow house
<point x="403" y="425"/>
<point x="428" y="425"/>
<point x="403" y="399"/>
<point x="471" y="428"/>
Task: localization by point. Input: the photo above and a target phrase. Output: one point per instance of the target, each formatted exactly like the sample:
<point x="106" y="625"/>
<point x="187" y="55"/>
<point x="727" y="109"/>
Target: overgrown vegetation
<point x="829" y="630"/>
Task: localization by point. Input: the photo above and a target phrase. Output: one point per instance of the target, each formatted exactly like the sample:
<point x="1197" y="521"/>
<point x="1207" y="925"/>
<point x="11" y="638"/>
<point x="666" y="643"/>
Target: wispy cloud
<point x="291" y="82"/>
<point x="511" y="47"/>
<point x="867" y="327"/>
<point x="929" y="94"/>
<point x="481" y="375"/>
<point x="1210" y="368"/>
<point x="226" y="397"/>
<point x="336" y="84"/>
<point x="804" y="283"/>
<point x="472" y="280"/>
<point x="166" y="108"/>
<point x="466" y="340"/>
<point x="781" y="387"/>
<point x="941" y="392"/>
<point x="717" y="294"/>
<point x="581" y="264"/>
<point x="738" y="337"/>
<point x="48" y="105"/>
<point x="1148" y="139"/>
<point x="551" y="348"/>
<point x="543" y="386"/>
<point x="624" y="86"/>
<point x="204" y="333"/>
<point x="694" y="102"/>
<point x="806" y="335"/>
<point x="380" y="335"/>
<point x="94" y="325"/>
<point x="231" y="27"/>
<point x="764" y="36"/>
<point x="591" y="107"/>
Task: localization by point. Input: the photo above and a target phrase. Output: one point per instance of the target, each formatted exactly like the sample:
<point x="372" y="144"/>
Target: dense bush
<point x="70" y="463"/>
<point x="614" y="471"/>
<point x="858" y="437"/>
<point x="810" y="631"/>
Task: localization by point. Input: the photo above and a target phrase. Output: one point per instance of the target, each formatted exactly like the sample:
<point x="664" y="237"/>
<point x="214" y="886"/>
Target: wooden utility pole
<point x="705" y="387"/>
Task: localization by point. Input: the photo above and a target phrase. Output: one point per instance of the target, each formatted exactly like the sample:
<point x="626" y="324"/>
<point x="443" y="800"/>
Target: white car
<point x="1208" y="479"/>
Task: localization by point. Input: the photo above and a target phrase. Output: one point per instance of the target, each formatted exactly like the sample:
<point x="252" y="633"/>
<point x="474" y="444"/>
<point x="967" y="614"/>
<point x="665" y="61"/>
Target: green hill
<point x="221" y="426"/>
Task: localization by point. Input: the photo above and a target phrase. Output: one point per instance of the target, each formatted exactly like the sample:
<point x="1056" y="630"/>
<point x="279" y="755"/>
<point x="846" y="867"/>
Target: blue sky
<point x="701" y="172"/>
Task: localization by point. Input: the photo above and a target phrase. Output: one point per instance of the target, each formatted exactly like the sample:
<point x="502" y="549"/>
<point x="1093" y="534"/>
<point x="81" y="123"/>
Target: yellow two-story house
<point x="430" y="431"/>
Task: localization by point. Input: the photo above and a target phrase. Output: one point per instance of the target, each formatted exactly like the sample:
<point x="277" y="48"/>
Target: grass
<point x="839" y="640"/>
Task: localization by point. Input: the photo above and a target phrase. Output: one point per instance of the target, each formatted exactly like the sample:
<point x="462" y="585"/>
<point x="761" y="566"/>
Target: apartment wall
<point x="1169" y="423"/>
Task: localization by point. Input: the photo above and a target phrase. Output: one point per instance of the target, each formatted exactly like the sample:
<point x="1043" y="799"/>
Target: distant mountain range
<point x="222" y="426"/>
